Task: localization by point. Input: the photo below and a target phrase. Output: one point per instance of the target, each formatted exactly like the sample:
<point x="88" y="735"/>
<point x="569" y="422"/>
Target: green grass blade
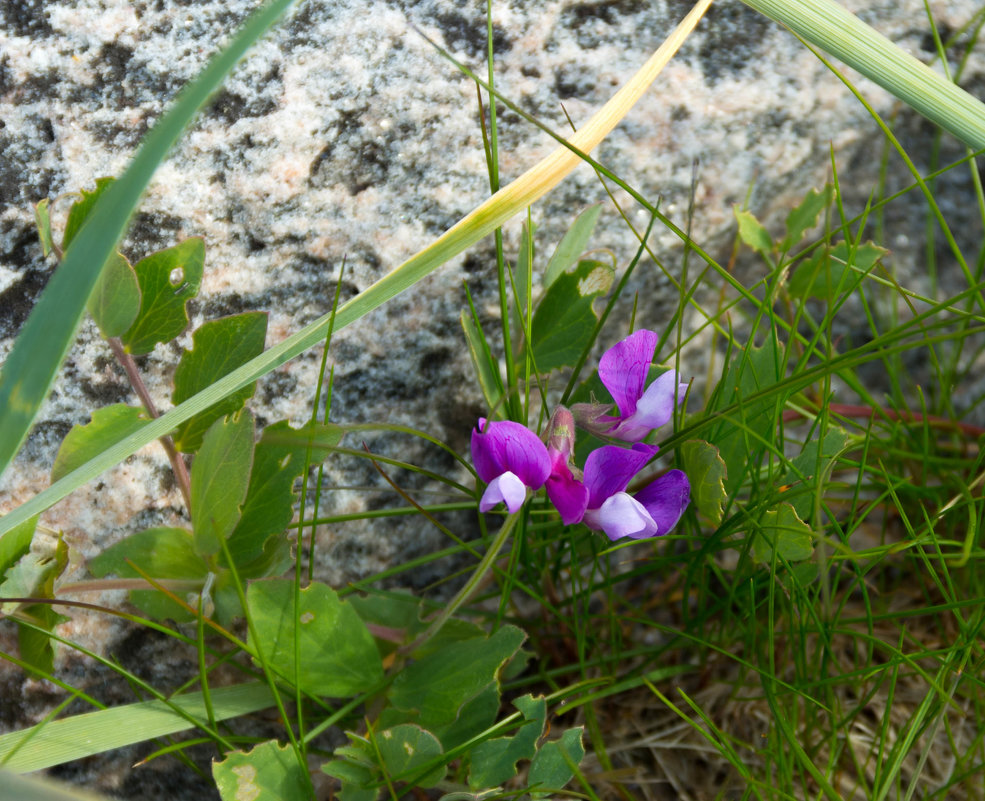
<point x="44" y="341"/>
<point x="59" y="741"/>
<point x="491" y="214"/>
<point x="835" y="29"/>
<point x="39" y="789"/>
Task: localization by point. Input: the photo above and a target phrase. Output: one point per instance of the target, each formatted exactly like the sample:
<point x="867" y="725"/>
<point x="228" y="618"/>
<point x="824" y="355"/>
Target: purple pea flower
<point x="510" y="458"/>
<point x="651" y="512"/>
<point x="623" y="370"/>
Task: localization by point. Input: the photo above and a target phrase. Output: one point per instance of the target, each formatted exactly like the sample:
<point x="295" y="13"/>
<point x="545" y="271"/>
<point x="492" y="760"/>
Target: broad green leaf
<point x="16" y="543"/>
<point x="824" y="275"/>
<point x="477" y="715"/>
<point x="115" y="300"/>
<point x="50" y="328"/>
<point x="55" y="742"/>
<point x="36" y="647"/>
<point x="23" y="384"/>
<point x="486" y="367"/>
<point x="82" y="208"/>
<point x="354" y="767"/>
<point x="168" y="279"/>
<point x="752" y="232"/>
<point x="220" y="477"/>
<point x="218" y="347"/>
<point x="739" y="437"/>
<point x="804" y="217"/>
<point x="550" y="769"/>
<point x="706" y="471"/>
<point x="268" y="772"/>
<point x="572" y="244"/>
<point x="278" y="460"/>
<point x="564" y="319"/>
<point x="405" y="750"/>
<point x="161" y="553"/>
<point x="108" y="426"/>
<point x="338" y="655"/>
<point x="437" y="686"/>
<point x="783" y="530"/>
<point x="494" y="761"/>
<point x="814" y="460"/>
<point x="42" y="219"/>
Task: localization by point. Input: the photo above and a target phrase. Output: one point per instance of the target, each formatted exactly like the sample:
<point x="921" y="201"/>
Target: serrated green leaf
<point x="337" y="652"/>
<point x="814" y="460"/>
<point x="437" y="686"/>
<point x="115" y="300"/>
<point x="82" y="208"/>
<point x="218" y="347"/>
<point x="42" y="220"/>
<point x="572" y="244"/>
<point x="783" y="530"/>
<point x="108" y="426"/>
<point x="494" y="761"/>
<point x="739" y="437"/>
<point x="565" y="319"/>
<point x="706" y="472"/>
<point x="278" y="459"/>
<point x="16" y="543"/>
<point x="269" y="772"/>
<point x="550" y="769"/>
<point x="405" y="750"/>
<point x="219" y="480"/>
<point x="168" y="279"/>
<point x="752" y="232"/>
<point x="486" y="368"/>
<point x="804" y="216"/>
<point x="161" y="553"/>
<point x="475" y="716"/>
<point x="358" y="781"/>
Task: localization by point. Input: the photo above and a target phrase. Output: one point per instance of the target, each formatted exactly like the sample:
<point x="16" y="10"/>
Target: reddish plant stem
<point x="853" y="410"/>
<point x="178" y="465"/>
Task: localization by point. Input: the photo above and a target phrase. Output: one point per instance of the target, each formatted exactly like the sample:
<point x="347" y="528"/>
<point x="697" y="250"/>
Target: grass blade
<point x="833" y="28"/>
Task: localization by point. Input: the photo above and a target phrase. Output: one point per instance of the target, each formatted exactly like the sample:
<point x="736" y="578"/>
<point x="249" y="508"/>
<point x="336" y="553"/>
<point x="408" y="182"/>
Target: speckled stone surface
<point x="344" y="135"/>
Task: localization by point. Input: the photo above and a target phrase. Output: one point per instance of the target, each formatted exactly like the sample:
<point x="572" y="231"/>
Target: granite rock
<point x="344" y="136"/>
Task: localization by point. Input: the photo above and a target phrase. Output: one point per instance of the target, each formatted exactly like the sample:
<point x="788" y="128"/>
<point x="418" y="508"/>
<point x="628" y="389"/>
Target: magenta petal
<point x="609" y="470"/>
<point x="504" y="446"/>
<point x="506" y="488"/>
<point x="568" y="494"/>
<point x="623" y="369"/>
<point x="666" y="499"/>
<point x="623" y="516"/>
<point x="653" y="410"/>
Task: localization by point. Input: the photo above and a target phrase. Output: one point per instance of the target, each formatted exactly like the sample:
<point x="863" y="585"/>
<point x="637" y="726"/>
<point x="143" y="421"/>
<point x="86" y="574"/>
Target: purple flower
<point x="623" y="370"/>
<point x="510" y="458"/>
<point x="651" y="512"/>
<point x="565" y="491"/>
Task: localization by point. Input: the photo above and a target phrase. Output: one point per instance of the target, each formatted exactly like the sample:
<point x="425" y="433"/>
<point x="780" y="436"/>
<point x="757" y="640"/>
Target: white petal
<point x="623" y="516"/>
<point x="505" y="488"/>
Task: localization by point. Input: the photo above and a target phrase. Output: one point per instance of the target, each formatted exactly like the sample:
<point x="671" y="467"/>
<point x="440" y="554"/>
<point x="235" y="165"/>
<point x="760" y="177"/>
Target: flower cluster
<point x="513" y="460"/>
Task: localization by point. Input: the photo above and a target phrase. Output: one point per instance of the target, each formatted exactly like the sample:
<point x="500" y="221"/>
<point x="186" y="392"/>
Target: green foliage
<point x="108" y="426"/>
<point x="486" y="368"/>
<point x="551" y="768"/>
<point x="42" y="220"/>
<point x="572" y="245"/>
<point x="115" y="300"/>
<point x="16" y="543"/>
<point x="752" y="232"/>
<point x="781" y="530"/>
<point x="564" y="321"/>
<point x="494" y="761"/>
<point x="337" y="654"/>
<point x="267" y="772"/>
<point x="706" y="472"/>
<point x="218" y="347"/>
<point x="219" y="481"/>
<point x="168" y="280"/>
<point x="804" y="216"/>
<point x="827" y="274"/>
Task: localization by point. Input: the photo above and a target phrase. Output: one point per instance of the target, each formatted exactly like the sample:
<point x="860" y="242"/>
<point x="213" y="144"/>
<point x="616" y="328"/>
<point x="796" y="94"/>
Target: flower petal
<point x="623" y="516"/>
<point x="567" y="493"/>
<point x="666" y="499"/>
<point x="506" y="488"/>
<point x="653" y="410"/>
<point x="504" y="446"/>
<point x="609" y="470"/>
<point x="623" y="369"/>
